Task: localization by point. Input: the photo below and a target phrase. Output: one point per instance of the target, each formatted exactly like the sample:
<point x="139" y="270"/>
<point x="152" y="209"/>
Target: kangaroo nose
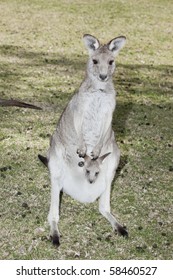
<point x="91" y="181"/>
<point x="103" y="77"/>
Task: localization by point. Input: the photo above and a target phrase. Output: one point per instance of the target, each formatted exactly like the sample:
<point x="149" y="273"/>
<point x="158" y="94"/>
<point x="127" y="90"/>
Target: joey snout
<point x="91" y="181"/>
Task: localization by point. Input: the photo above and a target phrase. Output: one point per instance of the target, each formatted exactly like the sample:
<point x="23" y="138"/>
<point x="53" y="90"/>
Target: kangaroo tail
<point x="13" y="102"/>
<point x="43" y="160"/>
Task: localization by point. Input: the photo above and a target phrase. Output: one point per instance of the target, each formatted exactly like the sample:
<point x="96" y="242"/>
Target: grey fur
<point x="85" y="130"/>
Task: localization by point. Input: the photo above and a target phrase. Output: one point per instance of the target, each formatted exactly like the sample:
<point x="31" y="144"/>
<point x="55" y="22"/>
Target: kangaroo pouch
<point x="76" y="185"/>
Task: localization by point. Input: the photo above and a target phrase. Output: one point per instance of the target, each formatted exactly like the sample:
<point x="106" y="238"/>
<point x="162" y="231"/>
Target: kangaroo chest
<point x="97" y="114"/>
<point x="98" y="103"/>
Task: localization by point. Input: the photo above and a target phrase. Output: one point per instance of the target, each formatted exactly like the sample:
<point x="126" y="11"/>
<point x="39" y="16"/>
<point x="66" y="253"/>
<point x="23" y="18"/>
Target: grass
<point x="43" y="62"/>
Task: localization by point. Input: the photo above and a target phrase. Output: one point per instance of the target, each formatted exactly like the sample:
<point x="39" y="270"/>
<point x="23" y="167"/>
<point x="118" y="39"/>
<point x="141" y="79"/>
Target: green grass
<point x="43" y="62"/>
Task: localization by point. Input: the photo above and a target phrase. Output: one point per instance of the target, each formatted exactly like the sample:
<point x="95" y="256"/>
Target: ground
<point x="43" y="62"/>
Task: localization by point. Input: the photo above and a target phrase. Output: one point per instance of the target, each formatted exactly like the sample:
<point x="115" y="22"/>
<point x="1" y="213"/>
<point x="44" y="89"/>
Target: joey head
<point x="92" y="167"/>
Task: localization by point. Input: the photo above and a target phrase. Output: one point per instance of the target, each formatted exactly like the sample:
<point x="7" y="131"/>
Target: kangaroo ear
<point x="87" y="158"/>
<point x="91" y="43"/>
<point x="101" y="159"/>
<point x="116" y="44"/>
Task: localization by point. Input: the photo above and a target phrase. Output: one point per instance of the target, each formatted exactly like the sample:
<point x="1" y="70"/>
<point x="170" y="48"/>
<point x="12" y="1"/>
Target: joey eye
<point x="111" y="62"/>
<point x="87" y="172"/>
<point x="97" y="173"/>
<point x="95" y="61"/>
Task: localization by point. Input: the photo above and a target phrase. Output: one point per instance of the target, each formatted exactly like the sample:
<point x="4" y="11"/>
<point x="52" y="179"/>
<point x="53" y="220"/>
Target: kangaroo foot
<point x="55" y="239"/>
<point x="122" y="231"/>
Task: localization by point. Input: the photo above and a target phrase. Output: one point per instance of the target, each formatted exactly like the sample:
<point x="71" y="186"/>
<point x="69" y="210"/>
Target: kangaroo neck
<point x="93" y="84"/>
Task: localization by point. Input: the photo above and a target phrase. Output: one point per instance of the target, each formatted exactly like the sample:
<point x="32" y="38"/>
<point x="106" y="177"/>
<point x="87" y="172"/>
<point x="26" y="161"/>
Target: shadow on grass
<point x="133" y="79"/>
<point x="146" y="79"/>
<point x="42" y="58"/>
<point x="24" y="67"/>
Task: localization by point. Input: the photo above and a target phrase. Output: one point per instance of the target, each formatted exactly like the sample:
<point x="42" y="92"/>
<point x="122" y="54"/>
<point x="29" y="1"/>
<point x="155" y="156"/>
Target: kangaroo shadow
<point x="120" y="117"/>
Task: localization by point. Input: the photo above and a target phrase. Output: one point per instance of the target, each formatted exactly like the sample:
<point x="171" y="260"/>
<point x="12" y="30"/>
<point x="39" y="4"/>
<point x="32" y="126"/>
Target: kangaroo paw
<point x="81" y="152"/>
<point x="94" y="156"/>
<point x="96" y="152"/>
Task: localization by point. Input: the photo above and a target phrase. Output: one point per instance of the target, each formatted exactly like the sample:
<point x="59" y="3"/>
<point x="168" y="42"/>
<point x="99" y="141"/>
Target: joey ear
<point x="87" y="158"/>
<point x="91" y="43"/>
<point x="101" y="159"/>
<point x="116" y="44"/>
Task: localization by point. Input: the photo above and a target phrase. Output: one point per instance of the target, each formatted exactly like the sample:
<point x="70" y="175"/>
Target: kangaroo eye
<point x="111" y="62"/>
<point x="95" y="61"/>
<point x="97" y="173"/>
<point x="87" y="172"/>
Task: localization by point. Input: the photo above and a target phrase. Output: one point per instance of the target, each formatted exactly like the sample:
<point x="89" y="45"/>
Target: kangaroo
<point x="92" y="167"/>
<point x="85" y="129"/>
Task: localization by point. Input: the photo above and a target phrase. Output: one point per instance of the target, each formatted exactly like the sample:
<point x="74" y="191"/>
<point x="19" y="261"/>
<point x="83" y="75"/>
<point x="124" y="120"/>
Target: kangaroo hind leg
<point x="53" y="217"/>
<point x="104" y="208"/>
<point x="104" y="201"/>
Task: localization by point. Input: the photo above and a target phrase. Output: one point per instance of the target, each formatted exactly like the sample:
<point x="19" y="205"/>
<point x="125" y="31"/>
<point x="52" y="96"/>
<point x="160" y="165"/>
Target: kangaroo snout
<point x="103" y="77"/>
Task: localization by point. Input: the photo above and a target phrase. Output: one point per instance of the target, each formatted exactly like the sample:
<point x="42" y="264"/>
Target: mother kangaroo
<point x="85" y="130"/>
